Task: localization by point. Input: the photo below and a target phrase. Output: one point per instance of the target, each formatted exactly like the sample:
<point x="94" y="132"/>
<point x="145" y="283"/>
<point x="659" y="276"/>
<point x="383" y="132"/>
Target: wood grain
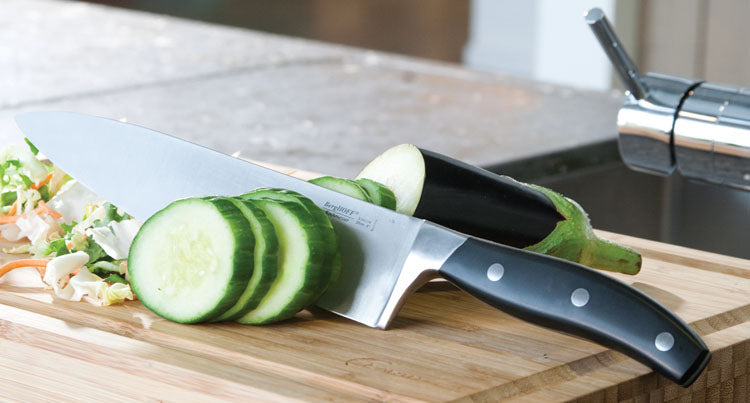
<point x="444" y="345"/>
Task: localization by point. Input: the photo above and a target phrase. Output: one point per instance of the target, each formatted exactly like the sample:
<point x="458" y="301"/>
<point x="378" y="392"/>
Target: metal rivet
<point x="495" y="272"/>
<point x="664" y="341"/>
<point x="579" y="297"/>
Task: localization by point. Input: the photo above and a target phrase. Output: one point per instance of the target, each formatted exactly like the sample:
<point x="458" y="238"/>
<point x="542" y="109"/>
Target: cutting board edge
<point x="624" y="378"/>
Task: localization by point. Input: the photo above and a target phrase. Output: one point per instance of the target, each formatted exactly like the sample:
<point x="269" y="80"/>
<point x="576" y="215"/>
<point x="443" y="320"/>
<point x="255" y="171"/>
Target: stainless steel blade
<point x="141" y="171"/>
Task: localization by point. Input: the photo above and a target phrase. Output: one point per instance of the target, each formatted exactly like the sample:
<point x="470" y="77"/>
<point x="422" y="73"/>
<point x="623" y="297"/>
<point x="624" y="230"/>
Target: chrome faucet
<point x="668" y="123"/>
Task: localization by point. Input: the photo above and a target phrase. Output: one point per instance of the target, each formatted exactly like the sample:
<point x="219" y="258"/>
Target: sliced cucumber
<point x="333" y="260"/>
<point x="302" y="251"/>
<point x="380" y="195"/>
<point x="344" y="186"/>
<point x="362" y="189"/>
<point x="265" y="262"/>
<point x="402" y="170"/>
<point x="191" y="261"/>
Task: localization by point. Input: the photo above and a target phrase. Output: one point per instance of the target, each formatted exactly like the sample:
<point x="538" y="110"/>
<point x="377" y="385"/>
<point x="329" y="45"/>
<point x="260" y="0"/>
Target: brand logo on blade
<point x="345" y="214"/>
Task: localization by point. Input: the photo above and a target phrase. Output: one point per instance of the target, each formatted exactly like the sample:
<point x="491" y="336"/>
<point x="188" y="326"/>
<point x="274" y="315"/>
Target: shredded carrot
<point x="67" y="276"/>
<point x="69" y="245"/>
<point x="9" y="219"/>
<point x="13" y="209"/>
<point x="41" y="183"/>
<point x="4" y="269"/>
<point x="43" y="207"/>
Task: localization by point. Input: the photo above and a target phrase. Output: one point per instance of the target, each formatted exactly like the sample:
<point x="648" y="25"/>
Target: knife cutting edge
<point x="386" y="255"/>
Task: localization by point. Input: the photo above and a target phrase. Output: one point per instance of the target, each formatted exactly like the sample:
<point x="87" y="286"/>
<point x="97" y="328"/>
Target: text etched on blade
<point x="345" y="214"/>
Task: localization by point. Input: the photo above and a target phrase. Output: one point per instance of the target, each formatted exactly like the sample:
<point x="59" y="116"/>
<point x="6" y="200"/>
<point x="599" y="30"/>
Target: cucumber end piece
<point x="402" y="170"/>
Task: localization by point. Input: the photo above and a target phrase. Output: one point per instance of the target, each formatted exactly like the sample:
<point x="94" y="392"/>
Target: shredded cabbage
<point x="71" y="201"/>
<point x="92" y="237"/>
<point x="89" y="220"/>
<point x="58" y="180"/>
<point x="110" y="267"/>
<point x="87" y="283"/>
<point x="10" y="232"/>
<point x="116" y="237"/>
<point x="35" y="169"/>
<point x="84" y="283"/>
<point x="37" y="227"/>
<point x="25" y="248"/>
<point x="58" y="270"/>
<point x="117" y="293"/>
<point x="27" y="199"/>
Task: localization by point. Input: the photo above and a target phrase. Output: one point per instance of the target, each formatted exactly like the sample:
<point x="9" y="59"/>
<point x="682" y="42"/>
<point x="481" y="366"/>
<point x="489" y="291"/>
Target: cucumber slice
<point x="302" y="252"/>
<point x="380" y="195"/>
<point x="333" y="260"/>
<point x="191" y="261"/>
<point x="402" y="170"/>
<point x="344" y="186"/>
<point x="265" y="258"/>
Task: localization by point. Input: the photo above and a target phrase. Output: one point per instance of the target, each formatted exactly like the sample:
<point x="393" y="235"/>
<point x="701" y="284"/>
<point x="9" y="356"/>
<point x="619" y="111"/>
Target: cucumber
<point x="302" y="251"/>
<point x="402" y="170"/>
<point x="380" y="195"/>
<point x="333" y="260"/>
<point x="344" y="186"/>
<point x="362" y="189"/>
<point x="265" y="260"/>
<point x="192" y="260"/>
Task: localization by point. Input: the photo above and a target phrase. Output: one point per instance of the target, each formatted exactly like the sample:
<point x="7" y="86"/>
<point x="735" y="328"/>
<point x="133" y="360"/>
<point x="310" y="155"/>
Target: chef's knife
<point x="386" y="255"/>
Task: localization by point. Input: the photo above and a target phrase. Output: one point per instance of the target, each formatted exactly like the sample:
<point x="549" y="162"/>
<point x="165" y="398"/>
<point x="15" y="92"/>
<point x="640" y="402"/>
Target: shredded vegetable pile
<point x="78" y="242"/>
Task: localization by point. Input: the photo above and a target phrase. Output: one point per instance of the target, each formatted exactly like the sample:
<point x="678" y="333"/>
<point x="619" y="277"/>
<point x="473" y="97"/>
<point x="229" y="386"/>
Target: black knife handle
<point x="572" y="298"/>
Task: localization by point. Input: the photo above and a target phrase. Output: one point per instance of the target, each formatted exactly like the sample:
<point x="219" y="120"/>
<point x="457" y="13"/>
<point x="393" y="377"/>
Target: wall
<point x="698" y="39"/>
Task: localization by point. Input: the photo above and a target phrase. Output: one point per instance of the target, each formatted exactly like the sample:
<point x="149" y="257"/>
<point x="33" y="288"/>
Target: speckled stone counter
<point x="288" y="101"/>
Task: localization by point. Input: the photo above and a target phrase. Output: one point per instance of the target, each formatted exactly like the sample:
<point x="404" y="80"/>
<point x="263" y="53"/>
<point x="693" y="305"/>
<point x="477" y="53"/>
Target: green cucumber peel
<point x="343" y="186"/>
<point x="301" y="271"/>
<point x="573" y="239"/>
<point x="379" y="193"/>
<point x="333" y="261"/>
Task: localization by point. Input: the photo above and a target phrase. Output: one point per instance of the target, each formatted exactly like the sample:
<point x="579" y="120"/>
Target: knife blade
<point x="385" y="255"/>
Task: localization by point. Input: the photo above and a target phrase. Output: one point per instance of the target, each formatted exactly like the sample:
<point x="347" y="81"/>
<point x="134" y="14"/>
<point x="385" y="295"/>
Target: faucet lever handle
<point x="617" y="55"/>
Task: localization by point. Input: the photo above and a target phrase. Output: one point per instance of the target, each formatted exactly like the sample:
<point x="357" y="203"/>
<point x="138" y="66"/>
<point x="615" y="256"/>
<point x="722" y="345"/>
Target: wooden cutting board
<point x="444" y="345"/>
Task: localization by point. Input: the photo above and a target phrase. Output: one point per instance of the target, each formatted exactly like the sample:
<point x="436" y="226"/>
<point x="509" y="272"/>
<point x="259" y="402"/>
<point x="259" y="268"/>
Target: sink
<point x="672" y="209"/>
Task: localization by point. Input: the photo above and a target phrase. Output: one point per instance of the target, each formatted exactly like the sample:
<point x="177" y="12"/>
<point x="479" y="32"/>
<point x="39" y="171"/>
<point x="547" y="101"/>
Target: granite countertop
<point x="288" y="101"/>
